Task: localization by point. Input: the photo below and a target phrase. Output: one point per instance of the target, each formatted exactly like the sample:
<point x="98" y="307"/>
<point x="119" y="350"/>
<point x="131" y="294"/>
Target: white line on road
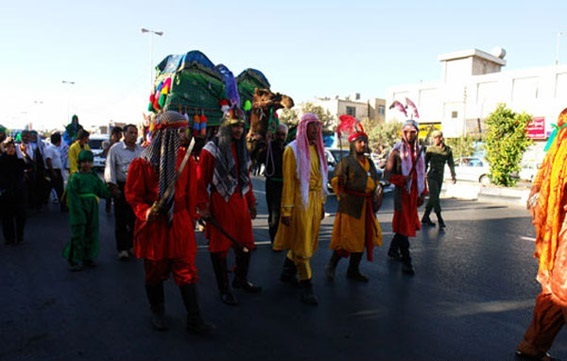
<point x="531" y="239"/>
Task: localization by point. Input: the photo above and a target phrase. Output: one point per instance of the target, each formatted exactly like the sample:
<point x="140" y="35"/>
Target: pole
<point x="151" y="33"/>
<point x="559" y="34"/>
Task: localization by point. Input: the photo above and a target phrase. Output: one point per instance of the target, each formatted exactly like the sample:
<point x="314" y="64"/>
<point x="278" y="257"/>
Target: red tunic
<point x="232" y="215"/>
<point x="406" y="220"/>
<point x="156" y="240"/>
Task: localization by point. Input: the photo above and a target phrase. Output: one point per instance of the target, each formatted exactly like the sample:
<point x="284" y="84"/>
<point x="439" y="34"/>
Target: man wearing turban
<point x="356" y="228"/>
<point x="405" y="169"/>
<point x="303" y="196"/>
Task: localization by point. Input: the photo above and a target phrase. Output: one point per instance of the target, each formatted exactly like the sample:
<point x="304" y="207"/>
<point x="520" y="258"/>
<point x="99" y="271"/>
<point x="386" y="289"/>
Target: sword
<point x="212" y="222"/>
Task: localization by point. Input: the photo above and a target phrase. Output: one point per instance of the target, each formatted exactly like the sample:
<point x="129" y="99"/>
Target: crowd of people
<point x="162" y="190"/>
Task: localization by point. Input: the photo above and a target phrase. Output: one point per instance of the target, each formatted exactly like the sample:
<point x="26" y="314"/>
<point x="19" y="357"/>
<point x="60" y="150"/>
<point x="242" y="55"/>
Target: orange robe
<point x="350" y="233"/>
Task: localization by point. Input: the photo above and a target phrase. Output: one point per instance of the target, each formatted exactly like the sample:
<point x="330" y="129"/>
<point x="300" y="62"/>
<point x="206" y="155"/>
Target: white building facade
<point x="472" y="85"/>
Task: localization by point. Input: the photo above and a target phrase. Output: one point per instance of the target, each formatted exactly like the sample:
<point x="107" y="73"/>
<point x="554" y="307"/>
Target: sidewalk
<point x="472" y="191"/>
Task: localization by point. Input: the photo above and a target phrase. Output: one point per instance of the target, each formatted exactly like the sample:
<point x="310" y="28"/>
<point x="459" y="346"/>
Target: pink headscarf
<point x="303" y="157"/>
<point x="408" y="154"/>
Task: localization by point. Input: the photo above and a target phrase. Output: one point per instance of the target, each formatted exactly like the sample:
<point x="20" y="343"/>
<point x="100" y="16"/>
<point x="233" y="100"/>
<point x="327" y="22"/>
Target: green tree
<point x="506" y="142"/>
<point x="291" y="116"/>
<point x="462" y="146"/>
<point x="385" y="134"/>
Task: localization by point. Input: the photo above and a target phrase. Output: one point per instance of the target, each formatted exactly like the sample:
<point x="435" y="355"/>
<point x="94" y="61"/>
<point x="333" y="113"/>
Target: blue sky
<point x="305" y="48"/>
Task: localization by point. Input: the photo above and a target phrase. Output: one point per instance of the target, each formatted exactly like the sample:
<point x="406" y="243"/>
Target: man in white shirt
<point x="120" y="155"/>
<point x="54" y="167"/>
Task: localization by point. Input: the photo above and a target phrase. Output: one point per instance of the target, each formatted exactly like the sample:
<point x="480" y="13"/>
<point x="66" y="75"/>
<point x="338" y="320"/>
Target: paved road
<point x="471" y="298"/>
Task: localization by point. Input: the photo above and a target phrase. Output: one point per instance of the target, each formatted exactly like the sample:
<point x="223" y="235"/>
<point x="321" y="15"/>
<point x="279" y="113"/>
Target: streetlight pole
<point x="66" y="82"/>
<point x="151" y="32"/>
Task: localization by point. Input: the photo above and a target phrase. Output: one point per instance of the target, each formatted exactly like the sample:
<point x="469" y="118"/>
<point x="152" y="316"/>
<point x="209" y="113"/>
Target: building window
<point x="351" y="111"/>
<point x="381" y="110"/>
<point x="454" y="115"/>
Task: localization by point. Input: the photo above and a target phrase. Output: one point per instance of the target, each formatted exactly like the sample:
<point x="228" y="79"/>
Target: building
<point x="472" y="84"/>
<point x="374" y="109"/>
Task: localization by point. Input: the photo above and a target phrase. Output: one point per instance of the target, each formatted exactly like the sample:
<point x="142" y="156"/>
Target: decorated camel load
<point x="194" y="86"/>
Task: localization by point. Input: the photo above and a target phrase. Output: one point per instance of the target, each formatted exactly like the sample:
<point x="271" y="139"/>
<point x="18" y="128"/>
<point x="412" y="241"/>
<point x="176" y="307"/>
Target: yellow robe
<point x="301" y="237"/>
<point x="348" y="232"/>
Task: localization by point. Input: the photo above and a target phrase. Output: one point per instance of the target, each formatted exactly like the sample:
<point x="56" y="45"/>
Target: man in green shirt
<point x="436" y="156"/>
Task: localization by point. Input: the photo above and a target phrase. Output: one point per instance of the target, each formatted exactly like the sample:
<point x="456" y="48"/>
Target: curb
<point x="492" y="194"/>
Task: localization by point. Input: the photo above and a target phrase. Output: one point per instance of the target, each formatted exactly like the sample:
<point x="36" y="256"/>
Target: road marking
<point x="260" y="243"/>
<point x="531" y="239"/>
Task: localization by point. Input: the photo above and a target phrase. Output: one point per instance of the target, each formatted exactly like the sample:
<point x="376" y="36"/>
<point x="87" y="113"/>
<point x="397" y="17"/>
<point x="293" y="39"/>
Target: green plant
<point x="462" y="146"/>
<point x="291" y="116"/>
<point x="506" y="142"/>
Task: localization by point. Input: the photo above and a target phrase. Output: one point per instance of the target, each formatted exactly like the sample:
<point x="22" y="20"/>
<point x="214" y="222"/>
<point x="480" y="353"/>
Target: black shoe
<point x="290" y="280"/>
<point x="309" y="299"/>
<point x="158" y="321"/>
<point x="200" y="327"/>
<point x="75" y="267"/>
<point x="357" y="276"/>
<point x="330" y="272"/>
<point x="89" y="263"/>
<point x="246" y="285"/>
<point x="541" y="357"/>
<point x="228" y="298"/>
<point x="442" y="224"/>
<point x="428" y="222"/>
<point x="407" y="268"/>
<point x="395" y="256"/>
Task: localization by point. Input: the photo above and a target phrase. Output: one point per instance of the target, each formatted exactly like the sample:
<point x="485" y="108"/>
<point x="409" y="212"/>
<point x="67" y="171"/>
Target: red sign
<point x="536" y="128"/>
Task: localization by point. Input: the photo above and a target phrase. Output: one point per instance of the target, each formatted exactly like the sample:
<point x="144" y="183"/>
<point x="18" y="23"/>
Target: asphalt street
<point x="471" y="297"/>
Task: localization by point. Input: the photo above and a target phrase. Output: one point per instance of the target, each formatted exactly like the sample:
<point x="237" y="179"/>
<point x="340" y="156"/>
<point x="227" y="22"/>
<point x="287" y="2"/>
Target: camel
<point x="262" y="119"/>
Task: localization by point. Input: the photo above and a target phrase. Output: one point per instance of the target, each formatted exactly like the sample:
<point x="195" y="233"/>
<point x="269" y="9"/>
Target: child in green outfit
<point x="84" y="189"/>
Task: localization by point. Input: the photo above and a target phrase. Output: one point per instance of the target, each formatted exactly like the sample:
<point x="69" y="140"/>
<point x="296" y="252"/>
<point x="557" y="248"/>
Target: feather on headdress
<point x="351" y="127"/>
<point x="412" y="108"/>
<point x="400" y="107"/>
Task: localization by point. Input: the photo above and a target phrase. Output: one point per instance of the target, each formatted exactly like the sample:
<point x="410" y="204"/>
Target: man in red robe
<point x="405" y="169"/>
<point x="226" y="201"/>
<point x="161" y="189"/>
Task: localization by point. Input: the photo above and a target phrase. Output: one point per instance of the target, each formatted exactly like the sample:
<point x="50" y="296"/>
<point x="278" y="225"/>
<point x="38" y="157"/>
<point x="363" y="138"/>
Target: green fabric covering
<point x="192" y="92"/>
<point x="86" y="155"/>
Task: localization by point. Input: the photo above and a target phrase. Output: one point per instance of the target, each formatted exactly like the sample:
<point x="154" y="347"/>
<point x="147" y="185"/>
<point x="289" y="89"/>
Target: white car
<point x="528" y="171"/>
<point x="96" y="145"/>
<point x="472" y="169"/>
<point x="334" y="155"/>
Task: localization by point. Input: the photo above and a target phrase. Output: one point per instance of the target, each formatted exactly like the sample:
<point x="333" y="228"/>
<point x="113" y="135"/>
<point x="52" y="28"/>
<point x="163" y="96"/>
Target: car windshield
<point x="96" y="143"/>
<point x="471" y="162"/>
<point x="339" y="154"/>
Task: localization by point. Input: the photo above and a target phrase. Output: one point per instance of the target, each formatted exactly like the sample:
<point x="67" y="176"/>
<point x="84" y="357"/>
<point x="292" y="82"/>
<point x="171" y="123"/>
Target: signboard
<point x="536" y="128"/>
<point x="425" y="129"/>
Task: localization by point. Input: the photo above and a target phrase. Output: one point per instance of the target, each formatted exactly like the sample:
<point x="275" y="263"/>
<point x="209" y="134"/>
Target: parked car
<point x="96" y="143"/>
<point x="334" y="155"/>
<point x="528" y="171"/>
<point x="472" y="169"/>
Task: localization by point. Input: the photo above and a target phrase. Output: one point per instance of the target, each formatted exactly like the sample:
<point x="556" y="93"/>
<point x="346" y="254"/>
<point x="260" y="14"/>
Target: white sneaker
<point x="123" y="255"/>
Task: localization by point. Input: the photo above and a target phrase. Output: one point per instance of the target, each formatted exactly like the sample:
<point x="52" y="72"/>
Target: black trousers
<point x="124" y="219"/>
<point x="57" y="183"/>
<point x="273" y="199"/>
<point x="14" y="215"/>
